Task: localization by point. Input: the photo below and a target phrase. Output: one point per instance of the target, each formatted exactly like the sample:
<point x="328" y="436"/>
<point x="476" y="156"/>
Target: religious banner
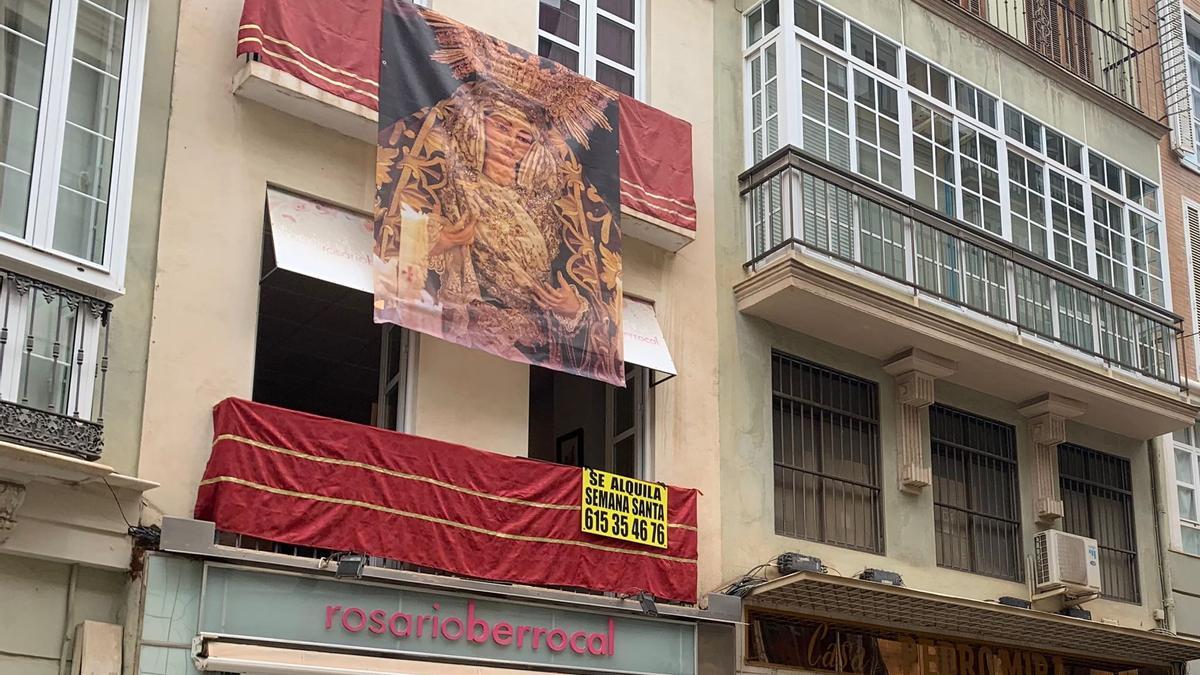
<point x="498" y="195"/>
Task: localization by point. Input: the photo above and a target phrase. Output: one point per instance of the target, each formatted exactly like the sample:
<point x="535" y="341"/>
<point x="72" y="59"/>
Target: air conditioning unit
<point x="1066" y="561"/>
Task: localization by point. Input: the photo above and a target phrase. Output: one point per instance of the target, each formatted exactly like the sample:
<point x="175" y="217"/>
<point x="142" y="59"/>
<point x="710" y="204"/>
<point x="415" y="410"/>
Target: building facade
<point x="269" y="136"/>
<point x="86" y="95"/>
<point x="954" y="323"/>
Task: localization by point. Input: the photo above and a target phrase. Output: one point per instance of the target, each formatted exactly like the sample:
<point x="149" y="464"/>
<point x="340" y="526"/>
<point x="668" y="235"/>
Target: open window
<point x="319" y="349"/>
<point x="582" y="422"/>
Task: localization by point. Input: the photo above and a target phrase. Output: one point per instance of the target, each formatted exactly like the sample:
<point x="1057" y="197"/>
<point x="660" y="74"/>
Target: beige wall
<point x="224" y="151"/>
<point x="37" y="595"/>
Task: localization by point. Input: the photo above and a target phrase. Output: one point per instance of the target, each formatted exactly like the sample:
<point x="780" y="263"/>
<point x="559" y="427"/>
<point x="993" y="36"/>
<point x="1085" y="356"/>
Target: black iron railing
<point x="795" y="202"/>
<point x="53" y="366"/>
<point x="1109" y="44"/>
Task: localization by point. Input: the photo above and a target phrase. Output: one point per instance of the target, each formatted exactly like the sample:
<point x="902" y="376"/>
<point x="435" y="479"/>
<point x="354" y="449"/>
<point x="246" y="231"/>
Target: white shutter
<point x="1191" y="216"/>
<point x="1172" y="42"/>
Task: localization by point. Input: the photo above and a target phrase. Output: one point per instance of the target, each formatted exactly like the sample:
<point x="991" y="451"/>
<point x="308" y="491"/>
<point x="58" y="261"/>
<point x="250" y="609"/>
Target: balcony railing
<point x="1115" y="50"/>
<point x="53" y="366"/>
<point x="794" y="202"/>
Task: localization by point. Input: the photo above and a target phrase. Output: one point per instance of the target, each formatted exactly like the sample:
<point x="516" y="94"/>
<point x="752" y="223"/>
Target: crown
<point x="572" y="102"/>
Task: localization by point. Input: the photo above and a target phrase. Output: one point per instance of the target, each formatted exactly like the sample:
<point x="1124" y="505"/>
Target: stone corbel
<point x="1048" y="415"/>
<point x="915" y="371"/>
<point x="11" y="497"/>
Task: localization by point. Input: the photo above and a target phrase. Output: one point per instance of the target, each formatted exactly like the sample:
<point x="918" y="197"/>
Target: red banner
<point x="334" y="46"/>
<point x="306" y="480"/>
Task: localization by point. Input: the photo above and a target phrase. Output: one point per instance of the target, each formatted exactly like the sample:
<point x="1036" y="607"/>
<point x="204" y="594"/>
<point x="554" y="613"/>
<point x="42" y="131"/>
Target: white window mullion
<point x="587" y="38"/>
<point x="790" y="83"/>
<point x="125" y="150"/>
<point x="51" y="124"/>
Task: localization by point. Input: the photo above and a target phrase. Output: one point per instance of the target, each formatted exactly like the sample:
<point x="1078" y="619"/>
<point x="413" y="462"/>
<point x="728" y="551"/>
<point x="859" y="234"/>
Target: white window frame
<point x="638" y="380"/>
<point x="589" y="13"/>
<point x="105" y="279"/>
<point x="1172" y="446"/>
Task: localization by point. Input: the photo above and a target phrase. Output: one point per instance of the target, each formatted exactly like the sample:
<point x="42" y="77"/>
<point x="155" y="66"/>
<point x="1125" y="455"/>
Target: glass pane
<point x="559" y="18"/>
<point x="1191" y="540"/>
<point x="86" y="162"/>
<point x="625" y="457"/>
<point x="80" y="225"/>
<point x="622" y="82"/>
<point x="558" y="53"/>
<point x="624" y="8"/>
<point x="1183" y="467"/>
<point x="99" y="38"/>
<point x="1187" y="503"/>
<point x="14" y="200"/>
<point x="49" y="347"/>
<point x="614" y="41"/>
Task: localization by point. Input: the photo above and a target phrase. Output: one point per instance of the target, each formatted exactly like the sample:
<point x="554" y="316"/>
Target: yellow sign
<point x="624" y="508"/>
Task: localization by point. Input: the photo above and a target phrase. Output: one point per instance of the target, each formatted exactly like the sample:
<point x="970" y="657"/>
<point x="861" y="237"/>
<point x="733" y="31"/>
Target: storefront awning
<point x="233" y="657"/>
<point x="333" y="244"/>
<point x="860" y="602"/>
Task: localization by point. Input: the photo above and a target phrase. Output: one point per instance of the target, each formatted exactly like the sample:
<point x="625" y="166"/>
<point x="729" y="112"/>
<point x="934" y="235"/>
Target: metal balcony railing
<point x="1108" y="44"/>
<point x="794" y="202"/>
<point x="53" y="366"/>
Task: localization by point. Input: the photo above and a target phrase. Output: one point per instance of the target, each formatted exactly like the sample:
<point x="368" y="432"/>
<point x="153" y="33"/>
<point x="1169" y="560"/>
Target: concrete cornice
<point x="855" y="289"/>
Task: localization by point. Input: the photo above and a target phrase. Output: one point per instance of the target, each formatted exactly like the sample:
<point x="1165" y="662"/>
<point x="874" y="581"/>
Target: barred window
<point x="1097" y="493"/>
<point x="977" y="517"/>
<point x="826" y="433"/>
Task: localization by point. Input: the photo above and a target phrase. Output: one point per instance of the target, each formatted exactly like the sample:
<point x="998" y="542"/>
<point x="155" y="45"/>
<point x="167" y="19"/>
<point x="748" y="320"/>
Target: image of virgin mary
<point x="488" y="232"/>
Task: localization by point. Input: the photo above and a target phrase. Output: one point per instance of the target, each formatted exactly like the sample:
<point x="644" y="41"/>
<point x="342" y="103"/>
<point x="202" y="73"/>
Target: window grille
<point x="1097" y="493"/>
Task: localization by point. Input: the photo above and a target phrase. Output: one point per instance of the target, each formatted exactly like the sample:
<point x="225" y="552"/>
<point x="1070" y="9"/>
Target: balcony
<point x="53" y="366"/>
<point x="296" y="65"/>
<point x="867" y="269"/>
<point x="1115" y="48"/>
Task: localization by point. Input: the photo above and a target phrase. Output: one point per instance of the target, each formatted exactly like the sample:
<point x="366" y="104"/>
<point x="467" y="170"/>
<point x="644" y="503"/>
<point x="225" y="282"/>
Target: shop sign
<point x="822" y="646"/>
<point x="624" y="508"/>
<point x="297" y="608"/>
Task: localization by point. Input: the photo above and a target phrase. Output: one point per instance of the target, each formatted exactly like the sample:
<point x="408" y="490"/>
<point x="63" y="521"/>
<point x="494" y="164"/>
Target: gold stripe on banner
<point x="655" y="195"/>
<point x="312" y="72"/>
<point x="438" y="521"/>
<point x="301" y="52"/>
<point x="407" y="476"/>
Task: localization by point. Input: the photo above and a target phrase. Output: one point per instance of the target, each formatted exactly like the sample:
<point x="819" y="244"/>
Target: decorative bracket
<point x="1048" y="415"/>
<point x="915" y="371"/>
<point x="11" y="497"/>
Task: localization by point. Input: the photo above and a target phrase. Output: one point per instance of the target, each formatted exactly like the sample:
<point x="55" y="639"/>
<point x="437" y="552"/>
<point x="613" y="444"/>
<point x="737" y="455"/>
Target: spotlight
<point x="648" y="607"/>
<point x="792" y="562"/>
<point x="350" y="566"/>
<point x="881" y="576"/>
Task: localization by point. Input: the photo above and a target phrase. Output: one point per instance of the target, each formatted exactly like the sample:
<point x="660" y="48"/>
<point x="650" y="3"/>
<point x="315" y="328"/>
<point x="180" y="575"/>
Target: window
<point x="764" y="104"/>
<point x="1097" y="493"/>
<point x="977" y="517"/>
<point x="319" y="350"/>
<point x="1068" y="224"/>
<point x="583" y="422"/>
<point x="979" y="173"/>
<point x="66" y="143"/>
<point x="1191" y="103"/>
<point x="975" y="103"/>
<point x="599" y="38"/>
<point x="1108" y="223"/>
<point x="1026" y="194"/>
<point x="933" y="157"/>
<point x="826" y="451"/>
<point x="1187" y="480"/>
<point x="877" y="130"/>
<point x="824" y="96"/>
<point x="1146" y="257"/>
<point x="762" y="21"/>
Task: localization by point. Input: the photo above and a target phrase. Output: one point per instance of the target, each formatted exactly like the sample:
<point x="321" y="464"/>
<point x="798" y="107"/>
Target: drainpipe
<point x="1162" y="531"/>
<point x="68" y="638"/>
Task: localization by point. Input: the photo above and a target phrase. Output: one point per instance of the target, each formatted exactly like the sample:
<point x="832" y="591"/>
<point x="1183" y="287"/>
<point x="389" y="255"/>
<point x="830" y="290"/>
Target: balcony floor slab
<point x="841" y="306"/>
